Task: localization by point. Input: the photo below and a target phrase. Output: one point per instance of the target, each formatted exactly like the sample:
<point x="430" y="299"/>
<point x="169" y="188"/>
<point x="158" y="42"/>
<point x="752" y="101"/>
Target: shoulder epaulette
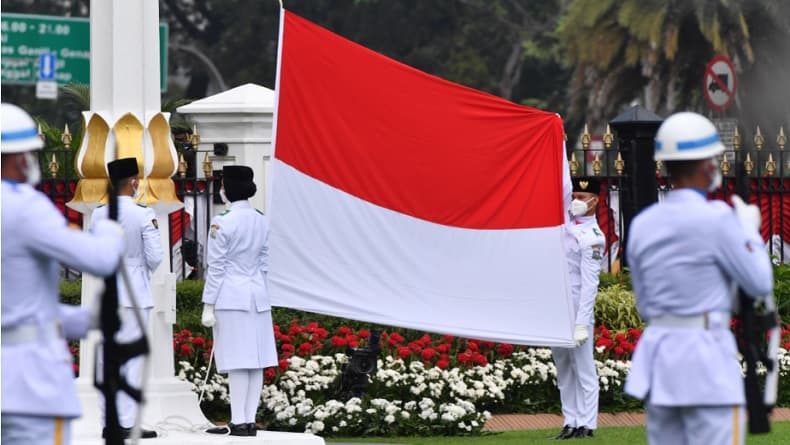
<point x="259" y="211"/>
<point x="142" y="205"/>
<point x="224" y="213"/>
<point x="100" y="206"/>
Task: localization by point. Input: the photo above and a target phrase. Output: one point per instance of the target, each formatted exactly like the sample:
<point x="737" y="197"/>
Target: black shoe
<point x="566" y="433"/>
<point x="127" y="433"/>
<point x="582" y="432"/>
<point x="230" y="429"/>
<point x="252" y="430"/>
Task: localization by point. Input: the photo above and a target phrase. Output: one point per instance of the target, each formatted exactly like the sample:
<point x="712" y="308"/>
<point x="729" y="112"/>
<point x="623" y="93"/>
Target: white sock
<point x="253" y="394"/>
<point x="238" y="382"/>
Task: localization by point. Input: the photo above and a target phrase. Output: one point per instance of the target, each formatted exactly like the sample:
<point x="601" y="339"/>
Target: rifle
<point x="115" y="354"/>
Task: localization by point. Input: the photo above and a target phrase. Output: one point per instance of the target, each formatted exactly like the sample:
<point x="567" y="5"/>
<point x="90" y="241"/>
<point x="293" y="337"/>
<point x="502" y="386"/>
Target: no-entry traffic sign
<point x="719" y="83"/>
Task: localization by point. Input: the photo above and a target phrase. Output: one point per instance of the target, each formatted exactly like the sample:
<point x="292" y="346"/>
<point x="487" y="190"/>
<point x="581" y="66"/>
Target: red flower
<point x="403" y="352"/>
<point x="605" y="332"/>
<point x="618" y="350"/>
<point x="415" y="346"/>
<point x="605" y="342"/>
<point x="285" y="338"/>
<point x="287" y="347"/>
<point x="339" y="342"/>
<point x="395" y="339"/>
<point x="343" y="330"/>
<point x="425" y="340"/>
<point x="305" y="348"/>
<point x="268" y="374"/>
<point x="198" y="342"/>
<point x="635" y="333"/>
<point x="353" y="343"/>
<point x="364" y="333"/>
<point x="480" y="359"/>
<point x="185" y="350"/>
<point x="294" y="330"/>
<point x="620" y="338"/>
<point x="448" y="338"/>
<point x="428" y="353"/>
<point x="472" y="346"/>
<point x="283" y="364"/>
<point x="442" y="364"/>
<point x="505" y="349"/>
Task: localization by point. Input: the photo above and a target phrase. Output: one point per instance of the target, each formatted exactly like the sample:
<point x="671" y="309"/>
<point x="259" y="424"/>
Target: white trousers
<point x="696" y="425"/>
<point x="132" y="370"/>
<point x="20" y="429"/>
<point x="577" y="380"/>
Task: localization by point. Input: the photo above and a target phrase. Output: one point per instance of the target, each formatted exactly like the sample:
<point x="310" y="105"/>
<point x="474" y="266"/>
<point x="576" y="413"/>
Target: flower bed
<point x="432" y="385"/>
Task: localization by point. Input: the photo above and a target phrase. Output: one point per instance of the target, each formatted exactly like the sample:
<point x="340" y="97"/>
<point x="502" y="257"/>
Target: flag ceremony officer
<point x="142" y="255"/>
<point x="576" y="374"/>
<point x="38" y="392"/>
<point x="685" y="253"/>
<point x="236" y="301"/>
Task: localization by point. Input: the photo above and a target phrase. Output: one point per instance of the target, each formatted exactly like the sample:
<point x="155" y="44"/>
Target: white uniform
<point x="576" y="375"/>
<point x="37" y="374"/>
<point x="684" y="254"/>
<point x="236" y="285"/>
<point x="142" y="256"/>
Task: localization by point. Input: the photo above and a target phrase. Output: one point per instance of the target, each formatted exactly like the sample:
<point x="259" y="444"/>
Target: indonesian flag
<point x="402" y="199"/>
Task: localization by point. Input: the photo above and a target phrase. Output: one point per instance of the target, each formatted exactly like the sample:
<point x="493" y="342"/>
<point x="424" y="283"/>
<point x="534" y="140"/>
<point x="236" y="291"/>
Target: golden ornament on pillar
<point x="759" y="140"/>
<point x="770" y="165"/>
<point x="619" y="164"/>
<point x="182" y="166"/>
<point x="748" y="164"/>
<point x="736" y="139"/>
<point x="158" y="185"/>
<point x="586" y="138"/>
<point x="596" y="165"/>
<point x="574" y="164"/>
<point x="725" y="166"/>
<point x="66" y="137"/>
<point x="781" y="140"/>
<point x="208" y="167"/>
<point x="90" y="165"/>
<point x="53" y="167"/>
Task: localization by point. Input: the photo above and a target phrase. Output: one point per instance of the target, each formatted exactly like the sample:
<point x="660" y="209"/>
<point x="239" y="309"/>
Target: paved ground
<point x="512" y="422"/>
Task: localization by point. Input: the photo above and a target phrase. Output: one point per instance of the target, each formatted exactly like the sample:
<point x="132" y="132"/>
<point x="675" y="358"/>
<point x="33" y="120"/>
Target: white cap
<point x="19" y="131"/>
<point x="687" y="136"/>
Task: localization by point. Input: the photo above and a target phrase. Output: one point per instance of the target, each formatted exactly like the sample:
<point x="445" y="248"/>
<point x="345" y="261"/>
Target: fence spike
<point x="596" y="165"/>
<point x="619" y="164"/>
<point x="759" y="140"/>
<point x="781" y="140"/>
<point x="736" y="139"/>
<point x="586" y="138"/>
<point x="748" y="164"/>
<point x="770" y="165"/>
<point x="608" y="138"/>
<point x="54" y="167"/>
<point x="66" y="137"/>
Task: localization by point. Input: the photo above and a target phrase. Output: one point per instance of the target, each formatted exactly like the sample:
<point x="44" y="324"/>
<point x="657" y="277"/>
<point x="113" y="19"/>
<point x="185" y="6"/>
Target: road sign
<point x="25" y="37"/>
<point x="46" y="66"/>
<point x="719" y="83"/>
<point x="47" y="89"/>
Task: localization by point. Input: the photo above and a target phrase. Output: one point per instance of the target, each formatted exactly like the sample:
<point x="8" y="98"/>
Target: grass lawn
<point x="780" y="433"/>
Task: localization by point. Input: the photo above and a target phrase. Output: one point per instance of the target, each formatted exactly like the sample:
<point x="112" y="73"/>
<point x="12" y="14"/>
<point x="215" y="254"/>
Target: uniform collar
<point x="688" y="194"/>
<point x="579" y="220"/>
<point x="125" y="198"/>
<point x="240" y="204"/>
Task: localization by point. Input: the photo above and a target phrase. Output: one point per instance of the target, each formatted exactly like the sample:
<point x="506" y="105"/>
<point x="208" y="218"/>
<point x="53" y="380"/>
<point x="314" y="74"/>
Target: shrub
<point x="615" y="308"/>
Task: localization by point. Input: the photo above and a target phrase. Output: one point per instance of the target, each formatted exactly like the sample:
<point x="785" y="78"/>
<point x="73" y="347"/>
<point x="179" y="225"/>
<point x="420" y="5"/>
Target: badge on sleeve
<point x="596" y="253"/>
<point x="213" y="232"/>
<point x="156" y="224"/>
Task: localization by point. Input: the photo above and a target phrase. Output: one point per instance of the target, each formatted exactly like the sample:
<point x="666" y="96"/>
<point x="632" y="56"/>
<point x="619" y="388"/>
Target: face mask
<point x="32" y="171"/>
<point x="223" y="197"/>
<point x="579" y="207"/>
<point x="715" y="181"/>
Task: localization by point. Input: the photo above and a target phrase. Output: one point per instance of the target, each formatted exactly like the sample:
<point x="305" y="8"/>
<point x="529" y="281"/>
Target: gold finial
<point x="195" y="138"/>
<point x="53" y="167"/>
<point x="208" y="169"/>
<point x="748" y="164"/>
<point x="66" y="137"/>
<point x="574" y="164"/>
<point x="759" y="140"/>
<point x="586" y="138"/>
<point x="182" y="165"/>
<point x="596" y="165"/>
<point x="781" y="140"/>
<point x="619" y="164"/>
<point x="725" y="166"/>
<point x="736" y="139"/>
<point x="770" y="165"/>
<point x="608" y="138"/>
<point x="659" y="164"/>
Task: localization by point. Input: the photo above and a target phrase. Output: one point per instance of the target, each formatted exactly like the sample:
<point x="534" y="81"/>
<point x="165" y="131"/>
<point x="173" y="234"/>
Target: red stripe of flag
<point x="411" y="142"/>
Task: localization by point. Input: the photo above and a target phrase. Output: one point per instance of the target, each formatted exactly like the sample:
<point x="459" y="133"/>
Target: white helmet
<point x="687" y="136"/>
<point x="19" y="131"/>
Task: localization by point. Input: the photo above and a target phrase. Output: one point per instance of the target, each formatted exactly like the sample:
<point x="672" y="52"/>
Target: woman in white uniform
<point x="236" y="302"/>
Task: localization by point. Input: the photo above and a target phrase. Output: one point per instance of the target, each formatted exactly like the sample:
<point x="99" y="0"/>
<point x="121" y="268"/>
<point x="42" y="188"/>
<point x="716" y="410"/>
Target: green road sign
<point x="26" y="36"/>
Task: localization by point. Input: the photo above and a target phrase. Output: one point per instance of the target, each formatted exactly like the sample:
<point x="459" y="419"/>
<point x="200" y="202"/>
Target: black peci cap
<point x="587" y="184"/>
<point x="122" y="169"/>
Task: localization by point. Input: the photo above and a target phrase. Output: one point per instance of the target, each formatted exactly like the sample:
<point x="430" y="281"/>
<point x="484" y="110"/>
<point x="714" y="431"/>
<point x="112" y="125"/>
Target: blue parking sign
<point x="46" y="66"/>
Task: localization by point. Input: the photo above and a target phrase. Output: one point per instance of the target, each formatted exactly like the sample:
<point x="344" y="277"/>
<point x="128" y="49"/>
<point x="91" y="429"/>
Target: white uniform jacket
<point x="684" y="254"/>
<point x="37" y="375"/>
<point x="585" y="250"/>
<point x="143" y="249"/>
<point x="237" y="258"/>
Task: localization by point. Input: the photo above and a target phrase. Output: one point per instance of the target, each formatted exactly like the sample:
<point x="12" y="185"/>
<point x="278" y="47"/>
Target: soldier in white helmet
<point x="685" y="253"/>
<point x="38" y="392"/>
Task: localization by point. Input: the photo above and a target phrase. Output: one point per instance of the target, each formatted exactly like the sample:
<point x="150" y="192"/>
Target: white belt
<point x="708" y="320"/>
<point x="31" y="333"/>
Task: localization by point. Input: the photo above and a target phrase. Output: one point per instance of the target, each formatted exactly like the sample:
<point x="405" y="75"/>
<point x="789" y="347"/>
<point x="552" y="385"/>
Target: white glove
<point x="748" y="214"/>
<point x="580" y="334"/>
<point x="208" y="320"/>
